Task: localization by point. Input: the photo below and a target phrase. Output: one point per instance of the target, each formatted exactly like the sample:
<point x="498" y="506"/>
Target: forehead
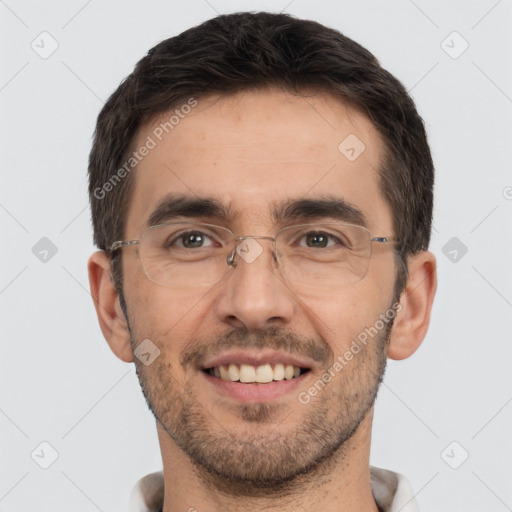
<point x="255" y="150"/>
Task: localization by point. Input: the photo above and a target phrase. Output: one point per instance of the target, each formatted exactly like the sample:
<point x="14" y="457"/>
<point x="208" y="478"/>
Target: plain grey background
<point x="61" y="385"/>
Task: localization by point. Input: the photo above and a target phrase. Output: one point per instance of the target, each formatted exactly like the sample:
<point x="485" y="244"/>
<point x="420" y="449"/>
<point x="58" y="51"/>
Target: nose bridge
<point x="248" y="249"/>
<point x="254" y="294"/>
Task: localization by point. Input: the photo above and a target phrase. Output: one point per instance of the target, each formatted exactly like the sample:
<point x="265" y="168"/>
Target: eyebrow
<point x="177" y="206"/>
<point x="327" y="207"/>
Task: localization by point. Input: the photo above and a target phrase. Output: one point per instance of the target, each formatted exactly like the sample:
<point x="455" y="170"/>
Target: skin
<point x="250" y="151"/>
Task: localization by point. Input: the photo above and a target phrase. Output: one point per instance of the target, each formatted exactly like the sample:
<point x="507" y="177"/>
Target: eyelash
<point x="183" y="235"/>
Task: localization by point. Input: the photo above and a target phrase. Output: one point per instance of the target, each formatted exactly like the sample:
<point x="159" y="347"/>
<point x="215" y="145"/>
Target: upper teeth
<point x="263" y="373"/>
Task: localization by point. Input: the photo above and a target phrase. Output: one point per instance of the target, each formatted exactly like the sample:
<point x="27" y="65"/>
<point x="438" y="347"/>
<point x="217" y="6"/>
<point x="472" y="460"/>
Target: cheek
<point x="166" y="316"/>
<point x="340" y="317"/>
<point x="169" y="319"/>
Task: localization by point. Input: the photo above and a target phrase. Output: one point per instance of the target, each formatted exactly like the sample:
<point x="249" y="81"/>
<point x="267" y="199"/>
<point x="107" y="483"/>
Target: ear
<point x="112" y="321"/>
<point x="412" y="321"/>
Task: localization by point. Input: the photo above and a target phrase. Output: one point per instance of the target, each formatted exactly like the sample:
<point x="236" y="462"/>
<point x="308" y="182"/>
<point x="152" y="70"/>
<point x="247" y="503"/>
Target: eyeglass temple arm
<point x="121" y="243"/>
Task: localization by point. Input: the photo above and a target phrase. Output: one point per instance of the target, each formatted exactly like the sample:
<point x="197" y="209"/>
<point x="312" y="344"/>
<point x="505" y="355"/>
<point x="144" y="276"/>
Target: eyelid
<point x="320" y="231"/>
<point x="192" y="229"/>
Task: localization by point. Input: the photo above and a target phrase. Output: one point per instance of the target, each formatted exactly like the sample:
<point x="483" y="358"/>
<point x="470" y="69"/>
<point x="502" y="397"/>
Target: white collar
<point x="391" y="491"/>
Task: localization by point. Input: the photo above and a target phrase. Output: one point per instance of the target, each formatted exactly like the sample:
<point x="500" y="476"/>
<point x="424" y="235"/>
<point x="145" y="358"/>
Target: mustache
<point x="272" y="338"/>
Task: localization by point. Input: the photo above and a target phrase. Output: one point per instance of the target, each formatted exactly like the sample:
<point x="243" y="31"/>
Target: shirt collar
<point x="392" y="492"/>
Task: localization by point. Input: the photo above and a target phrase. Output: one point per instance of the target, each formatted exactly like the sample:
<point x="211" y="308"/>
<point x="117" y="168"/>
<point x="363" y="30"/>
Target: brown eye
<point x="189" y="240"/>
<point x="193" y="240"/>
<point x="317" y="240"/>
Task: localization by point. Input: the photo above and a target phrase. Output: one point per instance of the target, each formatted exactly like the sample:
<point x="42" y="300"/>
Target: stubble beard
<point x="249" y="463"/>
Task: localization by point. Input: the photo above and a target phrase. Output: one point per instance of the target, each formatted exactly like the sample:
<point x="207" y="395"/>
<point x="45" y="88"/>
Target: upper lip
<point x="256" y="359"/>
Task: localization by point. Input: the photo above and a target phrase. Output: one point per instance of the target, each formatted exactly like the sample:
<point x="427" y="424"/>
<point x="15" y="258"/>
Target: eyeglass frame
<point x="230" y="260"/>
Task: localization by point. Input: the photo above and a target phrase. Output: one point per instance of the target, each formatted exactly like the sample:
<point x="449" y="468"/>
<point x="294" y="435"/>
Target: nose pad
<point x="231" y="260"/>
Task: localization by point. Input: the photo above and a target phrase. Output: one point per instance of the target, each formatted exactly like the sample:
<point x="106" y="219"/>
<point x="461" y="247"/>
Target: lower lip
<point x="255" y="392"/>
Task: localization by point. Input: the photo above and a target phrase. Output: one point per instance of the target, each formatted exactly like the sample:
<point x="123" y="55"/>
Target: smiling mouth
<point x="261" y="374"/>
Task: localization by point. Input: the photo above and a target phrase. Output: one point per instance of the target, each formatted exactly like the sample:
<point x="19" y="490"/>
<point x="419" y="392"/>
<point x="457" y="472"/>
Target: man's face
<point x="253" y="152"/>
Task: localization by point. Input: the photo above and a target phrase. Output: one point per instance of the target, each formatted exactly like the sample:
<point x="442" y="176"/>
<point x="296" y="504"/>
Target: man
<point x="261" y="193"/>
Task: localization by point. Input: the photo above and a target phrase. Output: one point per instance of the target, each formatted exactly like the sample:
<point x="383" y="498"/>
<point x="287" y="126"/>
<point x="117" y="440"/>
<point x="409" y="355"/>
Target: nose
<point x="253" y="293"/>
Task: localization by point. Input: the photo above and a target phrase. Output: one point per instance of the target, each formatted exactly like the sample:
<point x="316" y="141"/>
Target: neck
<point x="340" y="483"/>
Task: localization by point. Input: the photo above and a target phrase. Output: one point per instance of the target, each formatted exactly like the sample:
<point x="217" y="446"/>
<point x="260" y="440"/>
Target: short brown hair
<point x="246" y="51"/>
